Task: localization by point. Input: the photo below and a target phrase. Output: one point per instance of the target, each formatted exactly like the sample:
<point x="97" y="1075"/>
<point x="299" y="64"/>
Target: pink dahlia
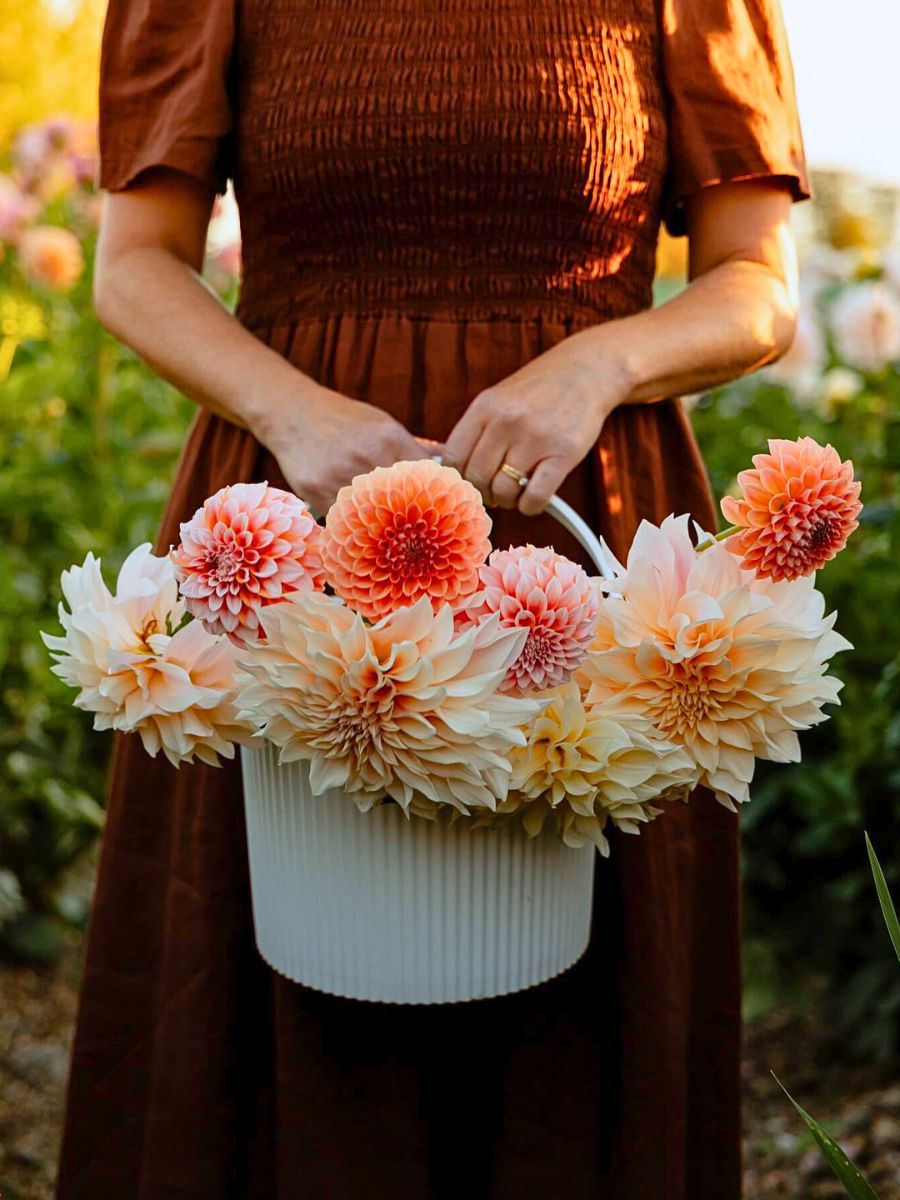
<point x="799" y="507"/>
<point x="398" y="533"/>
<point x="552" y="597"/>
<point x="248" y="546"/>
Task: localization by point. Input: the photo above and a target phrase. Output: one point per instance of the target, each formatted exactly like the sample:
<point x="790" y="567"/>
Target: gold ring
<point x="514" y="473"/>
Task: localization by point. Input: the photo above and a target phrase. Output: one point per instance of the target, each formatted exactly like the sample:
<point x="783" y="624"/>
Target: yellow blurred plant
<point x="49" y="53"/>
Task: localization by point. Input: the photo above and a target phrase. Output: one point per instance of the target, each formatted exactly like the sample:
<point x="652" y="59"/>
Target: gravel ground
<point x="859" y="1106"/>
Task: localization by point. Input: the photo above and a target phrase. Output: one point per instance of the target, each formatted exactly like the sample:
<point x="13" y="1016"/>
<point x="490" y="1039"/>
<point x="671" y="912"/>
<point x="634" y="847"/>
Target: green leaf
<point x="35" y="937"/>
<point x="884" y="897"/>
<point x="847" y="1171"/>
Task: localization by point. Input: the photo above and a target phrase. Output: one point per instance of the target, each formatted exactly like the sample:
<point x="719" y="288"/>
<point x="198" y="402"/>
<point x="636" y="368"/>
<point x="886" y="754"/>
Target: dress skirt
<point x="198" y="1073"/>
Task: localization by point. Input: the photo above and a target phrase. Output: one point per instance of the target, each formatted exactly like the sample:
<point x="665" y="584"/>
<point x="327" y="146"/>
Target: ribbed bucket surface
<point x="373" y="906"/>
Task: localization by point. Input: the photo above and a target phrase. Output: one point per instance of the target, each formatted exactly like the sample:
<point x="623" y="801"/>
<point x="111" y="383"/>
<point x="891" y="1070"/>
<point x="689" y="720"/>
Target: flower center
<point x="819" y="536"/>
<point x="684" y="704"/>
<point x="538" y="650"/>
<point x="410" y="550"/>
<point x="150" y="626"/>
<point x="223" y="564"/>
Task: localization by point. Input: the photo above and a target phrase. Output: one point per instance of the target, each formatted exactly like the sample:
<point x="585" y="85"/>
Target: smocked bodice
<point x="468" y="158"/>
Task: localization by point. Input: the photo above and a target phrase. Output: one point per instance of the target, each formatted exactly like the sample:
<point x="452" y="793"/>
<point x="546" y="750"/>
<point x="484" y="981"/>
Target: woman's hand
<point x="321" y="439"/>
<point x="148" y="292"/>
<point x="542" y="420"/>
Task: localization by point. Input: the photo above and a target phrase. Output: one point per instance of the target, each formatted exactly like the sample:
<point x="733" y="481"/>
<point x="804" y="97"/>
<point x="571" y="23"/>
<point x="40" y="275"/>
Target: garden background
<point x="88" y="443"/>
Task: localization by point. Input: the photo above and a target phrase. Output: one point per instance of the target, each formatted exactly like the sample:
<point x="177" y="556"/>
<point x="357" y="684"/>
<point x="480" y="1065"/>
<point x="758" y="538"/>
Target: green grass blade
<point x="847" y="1171"/>
<point x="884" y="897"/>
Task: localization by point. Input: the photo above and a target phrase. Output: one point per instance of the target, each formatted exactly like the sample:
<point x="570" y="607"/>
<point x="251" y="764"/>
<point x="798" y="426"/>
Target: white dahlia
<point x="726" y="665"/>
<point x="176" y="690"/>
<point x="407" y="708"/>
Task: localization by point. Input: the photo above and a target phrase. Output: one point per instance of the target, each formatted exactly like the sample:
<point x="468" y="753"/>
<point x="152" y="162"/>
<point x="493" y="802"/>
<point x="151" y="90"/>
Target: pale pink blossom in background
<point x="536" y="589"/>
<point x="839" y="386"/>
<point x="57" y="180"/>
<point x="891" y="268"/>
<point x="822" y="267"/>
<point x="800" y="368"/>
<point x="51" y="256"/>
<point x="223" y="239"/>
<point x="865" y="324"/>
<point x="249" y="545"/>
<point x="17" y="210"/>
<point x="60" y="149"/>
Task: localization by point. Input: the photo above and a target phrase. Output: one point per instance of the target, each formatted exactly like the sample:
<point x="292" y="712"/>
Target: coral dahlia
<point x="536" y="589"/>
<point x="248" y="546"/>
<point x="799" y="507"/>
<point x="398" y="533"/>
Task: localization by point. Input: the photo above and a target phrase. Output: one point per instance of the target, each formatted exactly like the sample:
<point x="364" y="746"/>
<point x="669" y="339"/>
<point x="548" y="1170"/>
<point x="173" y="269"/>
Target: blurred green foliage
<point x="808" y="905"/>
<point x="88" y="441"/>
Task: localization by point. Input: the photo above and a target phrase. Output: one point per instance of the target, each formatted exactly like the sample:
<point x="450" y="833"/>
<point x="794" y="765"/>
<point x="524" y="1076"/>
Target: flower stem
<point x="719" y="537"/>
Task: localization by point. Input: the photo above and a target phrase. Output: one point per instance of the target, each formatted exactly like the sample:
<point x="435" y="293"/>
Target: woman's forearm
<point x="726" y="323"/>
<point x="163" y="310"/>
<point x="154" y="300"/>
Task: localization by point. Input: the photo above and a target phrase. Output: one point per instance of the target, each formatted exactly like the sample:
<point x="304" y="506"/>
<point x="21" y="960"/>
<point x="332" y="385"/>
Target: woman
<point x="449" y="214"/>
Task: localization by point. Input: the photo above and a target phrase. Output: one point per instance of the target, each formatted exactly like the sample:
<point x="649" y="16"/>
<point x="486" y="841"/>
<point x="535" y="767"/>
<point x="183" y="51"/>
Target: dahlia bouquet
<point x="405" y="660"/>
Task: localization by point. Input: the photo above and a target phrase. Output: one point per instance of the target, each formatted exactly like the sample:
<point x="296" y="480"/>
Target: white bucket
<point x="373" y="906"/>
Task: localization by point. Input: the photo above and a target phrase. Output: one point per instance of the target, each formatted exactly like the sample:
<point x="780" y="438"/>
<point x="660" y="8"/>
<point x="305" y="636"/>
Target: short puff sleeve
<point x="165" y="90"/>
<point x="732" y="105"/>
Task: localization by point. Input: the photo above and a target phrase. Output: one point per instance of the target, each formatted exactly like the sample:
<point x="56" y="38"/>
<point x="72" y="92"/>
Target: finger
<point x="420" y="451"/>
<point x="484" y="462"/>
<point x="463" y="439"/>
<point x="432" y="447"/>
<point x="546" y="479"/>
<point x="403" y="447"/>
<point x="505" y="490"/>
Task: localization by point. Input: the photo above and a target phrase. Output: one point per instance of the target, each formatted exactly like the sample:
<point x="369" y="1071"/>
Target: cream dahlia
<point x="248" y="546"/>
<point x="536" y="589"/>
<point x="800" y="505"/>
<point x="865" y="321"/>
<point x="726" y="665"/>
<point x="398" y="533"/>
<point x="134" y="674"/>
<point x="408" y="707"/>
<point x="584" y="767"/>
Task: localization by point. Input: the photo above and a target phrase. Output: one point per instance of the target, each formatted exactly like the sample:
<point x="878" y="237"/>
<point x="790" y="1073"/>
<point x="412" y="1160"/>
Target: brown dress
<point x="432" y="192"/>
